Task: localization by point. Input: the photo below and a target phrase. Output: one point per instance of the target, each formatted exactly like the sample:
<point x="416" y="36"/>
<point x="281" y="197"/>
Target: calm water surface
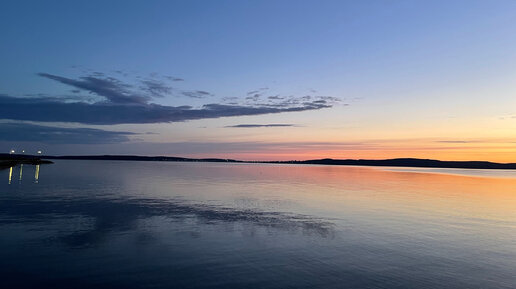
<point x="121" y="224"/>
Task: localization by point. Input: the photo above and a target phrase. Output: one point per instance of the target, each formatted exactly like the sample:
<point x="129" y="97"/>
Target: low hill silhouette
<point x="398" y="162"/>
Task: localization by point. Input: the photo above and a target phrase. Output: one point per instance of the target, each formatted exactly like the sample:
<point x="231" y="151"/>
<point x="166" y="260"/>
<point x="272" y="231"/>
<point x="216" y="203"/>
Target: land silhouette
<point x="7" y="160"/>
<point x="10" y="160"/>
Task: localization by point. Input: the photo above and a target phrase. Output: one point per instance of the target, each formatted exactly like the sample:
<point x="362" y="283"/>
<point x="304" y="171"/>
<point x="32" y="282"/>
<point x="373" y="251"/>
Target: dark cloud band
<point x="24" y="132"/>
<point x="104" y="113"/>
<point x="261" y="125"/>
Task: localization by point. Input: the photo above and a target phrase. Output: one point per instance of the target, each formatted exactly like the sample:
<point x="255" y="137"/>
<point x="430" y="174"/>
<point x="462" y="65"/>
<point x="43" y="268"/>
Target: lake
<point x="124" y="224"/>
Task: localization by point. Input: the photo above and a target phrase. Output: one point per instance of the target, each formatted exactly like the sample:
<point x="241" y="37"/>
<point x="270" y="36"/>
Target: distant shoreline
<point x="10" y="160"/>
<point x="399" y="162"/>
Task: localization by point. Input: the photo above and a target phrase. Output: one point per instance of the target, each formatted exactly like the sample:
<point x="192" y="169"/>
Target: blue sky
<point x="388" y="63"/>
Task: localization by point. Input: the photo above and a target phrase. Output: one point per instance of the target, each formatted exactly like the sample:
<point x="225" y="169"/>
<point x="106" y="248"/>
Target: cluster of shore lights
<point x="12" y="151"/>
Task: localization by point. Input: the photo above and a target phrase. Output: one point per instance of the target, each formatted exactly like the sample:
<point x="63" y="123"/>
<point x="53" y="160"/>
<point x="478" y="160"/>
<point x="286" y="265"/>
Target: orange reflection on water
<point x="339" y="188"/>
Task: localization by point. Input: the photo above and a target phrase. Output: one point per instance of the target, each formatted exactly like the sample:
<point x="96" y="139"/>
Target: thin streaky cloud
<point x="260" y="125"/>
<point x="26" y="132"/>
<point x="110" y="88"/>
<point x="103" y="113"/>
<point x="456" y="141"/>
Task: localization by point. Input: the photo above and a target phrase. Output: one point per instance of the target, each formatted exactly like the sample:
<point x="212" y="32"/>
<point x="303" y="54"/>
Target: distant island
<point x="6" y="159"/>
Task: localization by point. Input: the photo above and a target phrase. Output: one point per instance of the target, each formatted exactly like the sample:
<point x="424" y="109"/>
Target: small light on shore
<point x="39" y="152"/>
<point x="12" y="152"/>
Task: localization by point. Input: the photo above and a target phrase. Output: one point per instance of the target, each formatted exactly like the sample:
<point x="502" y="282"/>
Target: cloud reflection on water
<point x="116" y="215"/>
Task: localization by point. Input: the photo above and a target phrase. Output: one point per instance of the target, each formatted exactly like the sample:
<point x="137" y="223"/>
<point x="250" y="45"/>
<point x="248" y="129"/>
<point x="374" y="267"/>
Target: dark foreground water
<point x="107" y="224"/>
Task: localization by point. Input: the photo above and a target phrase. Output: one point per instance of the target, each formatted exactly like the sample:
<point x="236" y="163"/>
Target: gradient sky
<point x="260" y="80"/>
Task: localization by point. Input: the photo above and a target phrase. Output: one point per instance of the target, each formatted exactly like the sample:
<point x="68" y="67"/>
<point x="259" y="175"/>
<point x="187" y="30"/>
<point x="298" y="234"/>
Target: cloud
<point x="261" y="125"/>
<point x="172" y="78"/>
<point x="25" y="132"/>
<point x="122" y="103"/>
<point x="456" y="141"/>
<point x="504" y="117"/>
<point x="156" y="88"/>
<point x="196" y="93"/>
<point x="104" y="113"/>
<point x="108" y="87"/>
<point x="116" y="91"/>
<point x="254" y="98"/>
<point x="259" y="90"/>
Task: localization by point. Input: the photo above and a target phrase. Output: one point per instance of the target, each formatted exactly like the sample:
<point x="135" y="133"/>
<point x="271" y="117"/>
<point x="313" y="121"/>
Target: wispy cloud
<point x="111" y="88"/>
<point x="26" y="132"/>
<point x="505" y="117"/>
<point x="196" y="93"/>
<point x="261" y="125"/>
<point x="172" y="78"/>
<point x="156" y="88"/>
<point x="456" y="141"/>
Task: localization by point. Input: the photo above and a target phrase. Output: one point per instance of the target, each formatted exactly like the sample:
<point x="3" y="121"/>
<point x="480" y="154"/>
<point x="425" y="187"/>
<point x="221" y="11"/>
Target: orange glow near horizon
<point x="455" y="152"/>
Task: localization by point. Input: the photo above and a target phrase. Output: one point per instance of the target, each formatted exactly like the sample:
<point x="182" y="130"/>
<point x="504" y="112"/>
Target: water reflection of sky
<point x="461" y="172"/>
<point x="184" y="225"/>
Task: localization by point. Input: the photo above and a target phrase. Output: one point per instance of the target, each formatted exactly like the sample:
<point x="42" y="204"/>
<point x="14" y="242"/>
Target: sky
<point x="260" y="80"/>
